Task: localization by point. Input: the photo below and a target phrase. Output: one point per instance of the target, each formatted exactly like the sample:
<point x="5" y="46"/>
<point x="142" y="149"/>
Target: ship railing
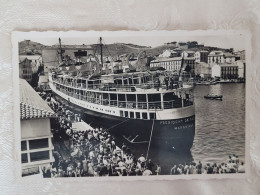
<point x="154" y="105"/>
<point x="178" y="103"/>
<point x="113" y="103"/>
<point x="105" y="102"/>
<point x="187" y="103"/>
<point x="81" y="85"/>
<point x="142" y="105"/>
<point x="125" y="87"/>
<point x="127" y="104"/>
<point x="172" y="104"/>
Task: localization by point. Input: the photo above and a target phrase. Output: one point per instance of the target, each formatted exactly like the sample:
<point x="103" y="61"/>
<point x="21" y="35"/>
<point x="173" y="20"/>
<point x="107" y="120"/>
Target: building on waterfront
<point x="240" y="55"/>
<point x="229" y="58"/>
<point x="201" y="56"/>
<point x="25" y="69"/>
<point x="36" y="143"/>
<point x="173" y="64"/>
<point x="225" y="71"/>
<point x="219" y="57"/>
<point x="36" y="59"/>
<point x="241" y="69"/>
<point x="229" y="71"/>
<point x="216" y="57"/>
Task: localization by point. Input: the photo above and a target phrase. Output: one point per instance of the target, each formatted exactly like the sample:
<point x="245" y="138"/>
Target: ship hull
<point x="175" y="134"/>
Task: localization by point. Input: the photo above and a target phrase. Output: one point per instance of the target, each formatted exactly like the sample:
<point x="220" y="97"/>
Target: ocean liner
<point x="142" y="106"/>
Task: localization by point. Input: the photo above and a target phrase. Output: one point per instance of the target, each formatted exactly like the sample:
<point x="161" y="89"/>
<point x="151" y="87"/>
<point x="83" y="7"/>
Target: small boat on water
<point x="213" y="97"/>
<point x="206" y="83"/>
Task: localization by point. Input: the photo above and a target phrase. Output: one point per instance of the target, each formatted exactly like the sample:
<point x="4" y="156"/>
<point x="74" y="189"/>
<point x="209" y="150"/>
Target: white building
<point x="216" y="57"/>
<point x="229" y="58"/>
<point x="36" y="144"/>
<point x="36" y="61"/>
<point x="241" y="68"/>
<point x="168" y="53"/>
<point x="186" y="54"/>
<point x="201" y="56"/>
<point x="173" y="64"/>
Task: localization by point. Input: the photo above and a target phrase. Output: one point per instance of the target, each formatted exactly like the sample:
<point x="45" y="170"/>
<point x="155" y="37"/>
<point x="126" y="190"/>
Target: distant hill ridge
<point x="28" y="47"/>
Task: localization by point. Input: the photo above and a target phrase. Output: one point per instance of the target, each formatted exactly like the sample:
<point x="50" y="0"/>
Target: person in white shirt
<point x="141" y="158"/>
<point x="241" y="168"/>
<point x="147" y="172"/>
<point x="158" y="169"/>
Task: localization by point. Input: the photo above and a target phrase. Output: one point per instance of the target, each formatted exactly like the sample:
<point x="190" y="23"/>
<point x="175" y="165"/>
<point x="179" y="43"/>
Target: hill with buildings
<point x="28" y="47"/>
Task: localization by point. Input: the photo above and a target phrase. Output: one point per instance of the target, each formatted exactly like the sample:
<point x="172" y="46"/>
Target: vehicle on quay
<point x="140" y="106"/>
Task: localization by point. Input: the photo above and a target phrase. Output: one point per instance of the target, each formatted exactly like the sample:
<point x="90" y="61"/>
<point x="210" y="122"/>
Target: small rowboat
<point x="213" y="97"/>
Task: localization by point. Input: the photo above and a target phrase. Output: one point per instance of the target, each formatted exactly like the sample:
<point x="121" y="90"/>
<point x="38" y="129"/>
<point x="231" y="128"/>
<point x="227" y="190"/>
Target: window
<point x="144" y="115"/>
<point x="24" y="158"/>
<point x="38" y="143"/>
<point x="152" y="116"/>
<point x="121" y="113"/>
<point x="23" y="145"/>
<point x="131" y="114"/>
<point x="137" y="114"/>
<point x="37" y="156"/>
<point x="126" y="113"/>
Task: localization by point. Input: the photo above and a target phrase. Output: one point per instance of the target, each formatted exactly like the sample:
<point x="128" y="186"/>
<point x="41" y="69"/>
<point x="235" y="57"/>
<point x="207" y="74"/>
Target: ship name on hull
<point x="178" y="121"/>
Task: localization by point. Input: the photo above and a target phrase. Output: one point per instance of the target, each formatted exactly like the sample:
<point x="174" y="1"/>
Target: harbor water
<point x="220" y="129"/>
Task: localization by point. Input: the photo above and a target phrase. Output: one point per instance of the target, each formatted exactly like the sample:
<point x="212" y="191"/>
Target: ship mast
<point x="101" y="51"/>
<point x="60" y="49"/>
<point x="182" y="62"/>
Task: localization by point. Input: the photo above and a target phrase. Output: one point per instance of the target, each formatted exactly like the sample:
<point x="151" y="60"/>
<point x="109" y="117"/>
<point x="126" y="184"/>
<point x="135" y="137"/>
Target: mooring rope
<point x="150" y="141"/>
<point x="118" y="124"/>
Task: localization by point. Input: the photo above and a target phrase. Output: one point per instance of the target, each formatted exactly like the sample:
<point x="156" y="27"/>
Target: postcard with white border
<point x="154" y="104"/>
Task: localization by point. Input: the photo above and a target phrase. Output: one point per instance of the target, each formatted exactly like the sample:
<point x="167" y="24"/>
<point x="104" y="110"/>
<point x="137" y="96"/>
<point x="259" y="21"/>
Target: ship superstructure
<point x="132" y="104"/>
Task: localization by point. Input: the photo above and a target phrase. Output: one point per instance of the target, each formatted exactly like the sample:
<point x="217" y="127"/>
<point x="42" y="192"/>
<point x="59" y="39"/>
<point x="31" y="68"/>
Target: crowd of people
<point x="233" y="165"/>
<point x="93" y="152"/>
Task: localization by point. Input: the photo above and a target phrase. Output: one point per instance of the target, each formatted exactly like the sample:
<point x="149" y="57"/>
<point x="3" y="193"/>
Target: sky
<point x="153" y="38"/>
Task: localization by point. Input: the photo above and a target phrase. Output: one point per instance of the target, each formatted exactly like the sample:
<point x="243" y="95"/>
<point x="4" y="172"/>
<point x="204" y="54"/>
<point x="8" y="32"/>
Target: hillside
<point x="28" y="47"/>
<point x="117" y="49"/>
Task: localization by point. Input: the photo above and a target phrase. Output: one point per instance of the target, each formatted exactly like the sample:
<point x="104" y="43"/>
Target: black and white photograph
<point x="130" y="103"/>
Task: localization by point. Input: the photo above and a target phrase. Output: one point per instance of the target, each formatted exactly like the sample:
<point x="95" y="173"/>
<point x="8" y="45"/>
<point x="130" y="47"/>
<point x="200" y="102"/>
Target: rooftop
<point x="162" y="59"/>
<point x="229" y="55"/>
<point x="31" y="104"/>
<point x="29" y="57"/>
<point x="203" y="51"/>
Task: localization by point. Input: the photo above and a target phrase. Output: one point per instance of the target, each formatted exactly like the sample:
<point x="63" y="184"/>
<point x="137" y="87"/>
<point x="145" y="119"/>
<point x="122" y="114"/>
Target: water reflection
<point x="220" y="125"/>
